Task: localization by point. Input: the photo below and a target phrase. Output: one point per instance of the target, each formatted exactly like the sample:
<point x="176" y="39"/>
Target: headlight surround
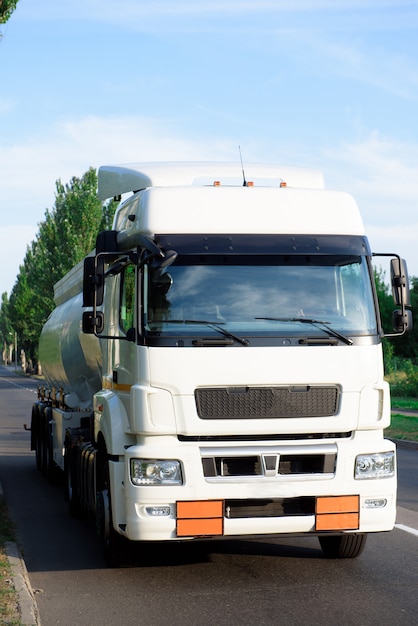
<point x="372" y="466"/>
<point x="155" y="472"/>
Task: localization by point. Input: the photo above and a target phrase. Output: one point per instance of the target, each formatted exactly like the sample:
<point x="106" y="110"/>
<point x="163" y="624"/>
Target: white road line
<point x="17" y="385"/>
<point x="407" y="529"/>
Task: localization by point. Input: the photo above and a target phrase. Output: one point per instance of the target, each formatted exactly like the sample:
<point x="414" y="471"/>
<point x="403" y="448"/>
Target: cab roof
<point x="115" y="180"/>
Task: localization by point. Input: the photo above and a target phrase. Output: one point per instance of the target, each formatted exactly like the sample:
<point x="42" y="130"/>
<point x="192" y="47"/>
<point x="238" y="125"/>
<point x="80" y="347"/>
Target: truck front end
<point x="263" y="404"/>
<point x="251" y="393"/>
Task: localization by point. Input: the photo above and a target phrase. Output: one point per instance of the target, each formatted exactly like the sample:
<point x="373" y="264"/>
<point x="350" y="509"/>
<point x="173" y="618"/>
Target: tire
<point x="34" y="425"/>
<point x="43" y="442"/>
<point x="37" y="434"/>
<point x="114" y="545"/>
<point x="343" y="546"/>
<point x="48" y="465"/>
<point x="72" y="482"/>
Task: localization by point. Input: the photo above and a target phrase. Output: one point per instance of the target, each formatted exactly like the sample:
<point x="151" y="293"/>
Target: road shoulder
<point x="28" y="608"/>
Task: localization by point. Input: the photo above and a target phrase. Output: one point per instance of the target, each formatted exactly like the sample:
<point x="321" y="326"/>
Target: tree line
<point x="68" y="232"/>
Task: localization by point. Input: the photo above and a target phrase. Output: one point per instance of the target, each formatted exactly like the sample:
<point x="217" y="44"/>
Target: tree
<point x="6" y="9"/>
<point x="6" y="329"/>
<point x="66" y="235"/>
<point x="405" y="346"/>
<point x="29" y="304"/>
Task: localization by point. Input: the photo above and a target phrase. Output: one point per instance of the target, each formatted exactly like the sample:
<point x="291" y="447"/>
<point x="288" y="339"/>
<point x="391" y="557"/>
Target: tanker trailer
<point x="72" y="366"/>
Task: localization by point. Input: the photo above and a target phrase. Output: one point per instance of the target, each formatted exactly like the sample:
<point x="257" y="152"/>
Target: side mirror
<point x="400" y="282"/>
<point x="93" y="281"/>
<point x="402" y="322"/>
<point x="92" y="324"/>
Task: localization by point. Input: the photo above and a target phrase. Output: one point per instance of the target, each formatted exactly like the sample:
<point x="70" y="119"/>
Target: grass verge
<point x="404" y="404"/>
<point x="403" y="426"/>
<point x="9" y="607"/>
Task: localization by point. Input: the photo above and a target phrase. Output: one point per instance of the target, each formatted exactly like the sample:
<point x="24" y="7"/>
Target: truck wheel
<point x="43" y="444"/>
<point x="37" y="432"/>
<point x="49" y="468"/>
<point x="114" y="545"/>
<point x="343" y="546"/>
<point x="72" y="495"/>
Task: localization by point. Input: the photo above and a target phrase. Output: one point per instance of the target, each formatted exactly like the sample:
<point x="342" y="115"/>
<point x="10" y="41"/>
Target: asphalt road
<point x="285" y="581"/>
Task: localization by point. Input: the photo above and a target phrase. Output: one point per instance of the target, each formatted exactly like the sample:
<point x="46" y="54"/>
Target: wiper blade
<point x="318" y="323"/>
<point x="214" y="325"/>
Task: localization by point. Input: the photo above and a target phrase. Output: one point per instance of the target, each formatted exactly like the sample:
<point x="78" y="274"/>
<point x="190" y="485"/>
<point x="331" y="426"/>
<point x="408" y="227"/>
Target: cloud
<point x="70" y="147"/>
<point x="381" y="173"/>
<point x="381" y="170"/>
<point x="398" y="239"/>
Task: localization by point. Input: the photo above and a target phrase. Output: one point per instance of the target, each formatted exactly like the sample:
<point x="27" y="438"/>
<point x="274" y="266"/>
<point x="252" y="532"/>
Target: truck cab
<point x="238" y="345"/>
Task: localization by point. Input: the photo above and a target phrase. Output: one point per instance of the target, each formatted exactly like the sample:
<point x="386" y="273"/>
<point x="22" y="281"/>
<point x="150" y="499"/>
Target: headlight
<point x="375" y="466"/>
<point x="155" y="472"/>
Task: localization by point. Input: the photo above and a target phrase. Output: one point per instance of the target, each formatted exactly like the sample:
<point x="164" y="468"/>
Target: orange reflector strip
<point x="337" y="504"/>
<point x="337" y="513"/>
<point x="200" y="508"/>
<point x="199" y="527"/>
<point x="338" y="521"/>
<point x="200" y="518"/>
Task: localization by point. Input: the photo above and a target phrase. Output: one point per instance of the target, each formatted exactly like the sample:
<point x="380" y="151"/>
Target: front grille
<point x="289" y="464"/>
<point x="274" y="507"/>
<point x="309" y="464"/>
<point x="266" y="402"/>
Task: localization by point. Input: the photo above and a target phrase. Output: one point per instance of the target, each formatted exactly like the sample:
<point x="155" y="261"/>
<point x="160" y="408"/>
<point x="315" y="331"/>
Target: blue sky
<point x="331" y="84"/>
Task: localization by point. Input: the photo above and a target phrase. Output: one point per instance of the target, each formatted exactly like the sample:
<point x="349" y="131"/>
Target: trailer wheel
<point x="48" y="466"/>
<point x="42" y="443"/>
<point x="34" y="425"/>
<point x="114" y="545"/>
<point x="343" y="546"/>
<point x="36" y="435"/>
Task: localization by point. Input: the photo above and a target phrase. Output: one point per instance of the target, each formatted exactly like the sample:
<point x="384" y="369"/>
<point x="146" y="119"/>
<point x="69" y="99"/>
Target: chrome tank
<point x="70" y="359"/>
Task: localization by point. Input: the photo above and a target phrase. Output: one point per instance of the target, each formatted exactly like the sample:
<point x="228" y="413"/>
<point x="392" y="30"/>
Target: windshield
<point x="252" y="295"/>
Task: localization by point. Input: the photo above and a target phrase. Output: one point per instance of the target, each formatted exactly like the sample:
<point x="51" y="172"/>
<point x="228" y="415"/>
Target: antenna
<point x="244" y="184"/>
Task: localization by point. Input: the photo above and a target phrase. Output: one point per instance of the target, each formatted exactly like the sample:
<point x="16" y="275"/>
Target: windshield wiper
<point x="214" y="325"/>
<point x="318" y="323"/>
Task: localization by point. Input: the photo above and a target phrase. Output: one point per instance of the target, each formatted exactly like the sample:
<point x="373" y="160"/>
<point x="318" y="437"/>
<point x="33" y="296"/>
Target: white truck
<point x="214" y="367"/>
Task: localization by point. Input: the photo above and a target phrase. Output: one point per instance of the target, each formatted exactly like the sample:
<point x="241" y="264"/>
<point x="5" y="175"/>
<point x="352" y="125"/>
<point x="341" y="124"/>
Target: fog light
<point x="375" y="466"/>
<point x="158" y="511"/>
<point x="375" y="503"/>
